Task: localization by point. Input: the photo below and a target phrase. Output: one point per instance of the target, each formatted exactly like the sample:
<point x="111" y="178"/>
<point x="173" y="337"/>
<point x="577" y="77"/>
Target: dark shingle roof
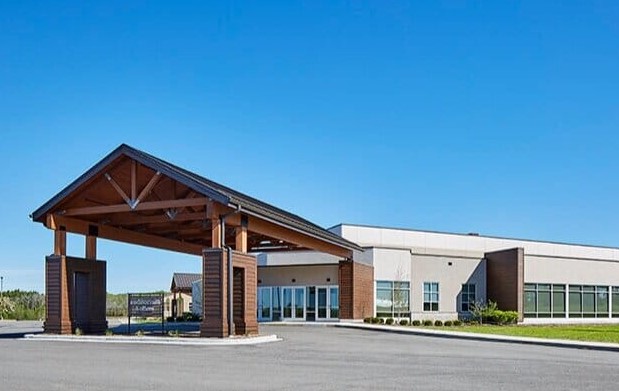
<point x="183" y="281"/>
<point x="215" y="191"/>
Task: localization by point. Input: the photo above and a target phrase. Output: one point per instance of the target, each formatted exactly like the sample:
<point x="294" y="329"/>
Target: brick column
<point x="245" y="293"/>
<point x="214" y="293"/>
<point x="356" y="281"/>
<point x="57" y="316"/>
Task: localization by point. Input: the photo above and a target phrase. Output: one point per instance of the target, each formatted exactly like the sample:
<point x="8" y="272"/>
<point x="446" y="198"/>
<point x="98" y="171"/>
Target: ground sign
<point x="145" y="305"/>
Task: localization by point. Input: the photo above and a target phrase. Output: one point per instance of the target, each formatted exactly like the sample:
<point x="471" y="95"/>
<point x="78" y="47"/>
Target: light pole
<point x="1" y="285"/>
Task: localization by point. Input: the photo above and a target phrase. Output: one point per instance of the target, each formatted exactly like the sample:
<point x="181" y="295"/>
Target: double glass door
<point x="293" y="303"/>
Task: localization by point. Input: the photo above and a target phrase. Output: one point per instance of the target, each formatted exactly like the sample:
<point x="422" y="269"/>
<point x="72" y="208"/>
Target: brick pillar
<point x="60" y="316"/>
<point x="57" y="316"/>
<point x="245" y="293"/>
<point x="214" y="293"/>
<point x="356" y="281"/>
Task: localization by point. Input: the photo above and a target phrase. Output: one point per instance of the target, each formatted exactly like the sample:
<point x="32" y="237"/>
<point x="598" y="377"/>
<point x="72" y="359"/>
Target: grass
<point x="590" y="333"/>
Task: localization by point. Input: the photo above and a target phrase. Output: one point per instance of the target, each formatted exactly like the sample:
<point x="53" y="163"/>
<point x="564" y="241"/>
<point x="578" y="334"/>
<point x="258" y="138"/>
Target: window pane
<point x="543" y="302"/>
<point x="530" y="286"/>
<point x="426" y="287"/>
<point x="575" y="288"/>
<point x="602" y="302"/>
<point x="558" y="288"/>
<point x="434" y="306"/>
<point x="426" y="297"/>
<point x="435" y="286"/>
<point x="530" y="300"/>
<point x="434" y="297"/>
<point x="426" y="306"/>
<point x="575" y="306"/>
<point x="588" y="302"/>
<point x="543" y="287"/>
<point x="384" y="285"/>
<point x="588" y="288"/>
<point x="615" y="303"/>
<point x="384" y="301"/>
<point x="558" y="302"/>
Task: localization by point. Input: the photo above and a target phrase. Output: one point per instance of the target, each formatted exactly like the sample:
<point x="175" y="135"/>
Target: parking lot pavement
<point x="309" y="358"/>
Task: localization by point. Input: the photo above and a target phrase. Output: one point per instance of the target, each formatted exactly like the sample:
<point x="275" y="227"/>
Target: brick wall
<point x="505" y="279"/>
<point x="356" y="281"/>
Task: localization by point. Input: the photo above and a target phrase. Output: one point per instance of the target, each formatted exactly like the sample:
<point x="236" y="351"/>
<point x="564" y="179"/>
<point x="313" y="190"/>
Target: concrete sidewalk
<point x="563" y="343"/>
<point x="184" y="341"/>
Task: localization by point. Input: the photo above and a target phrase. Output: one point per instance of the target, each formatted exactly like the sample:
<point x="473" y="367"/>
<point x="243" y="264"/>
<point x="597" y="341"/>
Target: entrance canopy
<point x="133" y="197"/>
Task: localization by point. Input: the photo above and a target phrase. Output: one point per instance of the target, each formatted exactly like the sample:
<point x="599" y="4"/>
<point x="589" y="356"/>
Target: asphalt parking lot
<point x="309" y="358"/>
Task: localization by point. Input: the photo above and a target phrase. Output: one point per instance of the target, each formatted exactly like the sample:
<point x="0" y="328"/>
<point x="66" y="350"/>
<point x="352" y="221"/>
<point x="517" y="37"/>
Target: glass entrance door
<point x="265" y="304"/>
<point x="321" y="303"/>
<point x="293" y="303"/>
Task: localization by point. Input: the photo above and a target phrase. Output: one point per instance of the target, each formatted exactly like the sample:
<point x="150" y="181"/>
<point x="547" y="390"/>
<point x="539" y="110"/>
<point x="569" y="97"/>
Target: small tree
<point x="401" y="296"/>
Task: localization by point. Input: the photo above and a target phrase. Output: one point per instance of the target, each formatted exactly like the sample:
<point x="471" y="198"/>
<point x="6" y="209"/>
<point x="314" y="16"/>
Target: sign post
<point x="145" y="305"/>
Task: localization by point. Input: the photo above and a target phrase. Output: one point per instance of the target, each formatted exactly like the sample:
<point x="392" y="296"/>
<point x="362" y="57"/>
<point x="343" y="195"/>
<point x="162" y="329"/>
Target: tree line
<point x="22" y="305"/>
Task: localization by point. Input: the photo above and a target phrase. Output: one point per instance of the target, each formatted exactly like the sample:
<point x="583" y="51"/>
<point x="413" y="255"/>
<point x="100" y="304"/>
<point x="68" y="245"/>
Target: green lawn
<point x="596" y="333"/>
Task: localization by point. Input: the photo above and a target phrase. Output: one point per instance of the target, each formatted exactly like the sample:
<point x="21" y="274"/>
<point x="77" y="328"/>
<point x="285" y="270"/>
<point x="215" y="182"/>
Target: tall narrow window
<point x="468" y="297"/>
<point x="430" y="296"/>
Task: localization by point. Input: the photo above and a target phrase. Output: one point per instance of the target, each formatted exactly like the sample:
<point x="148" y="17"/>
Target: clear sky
<point x="497" y="117"/>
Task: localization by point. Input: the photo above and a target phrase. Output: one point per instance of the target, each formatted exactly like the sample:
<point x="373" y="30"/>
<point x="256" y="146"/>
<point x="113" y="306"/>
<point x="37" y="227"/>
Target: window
<point x="544" y="300"/>
<point x="430" y="296"/>
<point x="392" y="298"/>
<point x="588" y="301"/>
<point x="615" y="302"/>
<point x="468" y="297"/>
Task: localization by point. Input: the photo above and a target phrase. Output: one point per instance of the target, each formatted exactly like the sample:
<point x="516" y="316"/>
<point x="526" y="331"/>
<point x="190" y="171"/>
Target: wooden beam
<point x="118" y="189"/>
<point x="122" y="235"/>
<point x="149" y="186"/>
<point x="275" y="231"/>
<point x="60" y="241"/>
<point x="119" y="208"/>
<point x="134" y="219"/>
<point x="91" y="247"/>
<point x="134" y="180"/>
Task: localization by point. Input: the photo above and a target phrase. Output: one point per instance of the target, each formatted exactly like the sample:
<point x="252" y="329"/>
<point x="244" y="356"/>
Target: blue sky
<point x="492" y="117"/>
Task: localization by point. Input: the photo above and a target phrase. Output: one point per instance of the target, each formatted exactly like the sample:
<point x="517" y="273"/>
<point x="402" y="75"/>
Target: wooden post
<point x="91" y="247"/>
<point x="241" y="236"/>
<point x="60" y="242"/>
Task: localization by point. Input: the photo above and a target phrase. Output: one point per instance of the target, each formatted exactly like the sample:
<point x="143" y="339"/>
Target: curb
<point x="560" y="343"/>
<point x="240" y="341"/>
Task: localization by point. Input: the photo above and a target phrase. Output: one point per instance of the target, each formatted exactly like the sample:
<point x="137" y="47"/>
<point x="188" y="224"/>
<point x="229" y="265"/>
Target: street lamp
<point x="1" y="285"/>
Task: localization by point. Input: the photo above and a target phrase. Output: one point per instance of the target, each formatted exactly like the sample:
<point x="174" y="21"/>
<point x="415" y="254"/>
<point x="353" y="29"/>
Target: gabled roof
<point x="206" y="187"/>
<point x="183" y="281"/>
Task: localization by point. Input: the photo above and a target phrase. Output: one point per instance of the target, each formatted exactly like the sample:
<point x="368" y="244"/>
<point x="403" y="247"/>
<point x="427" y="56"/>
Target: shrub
<point x="438" y="323"/>
<point x="427" y="322"/>
<point x="416" y="322"/>
<point x="109" y="332"/>
<point x="367" y="320"/>
<point x="389" y="321"/>
<point x="79" y="331"/>
<point x="403" y="322"/>
<point x="448" y="323"/>
<point x="457" y="322"/>
<point x="490" y="313"/>
<point x="374" y="320"/>
<point x="381" y="320"/>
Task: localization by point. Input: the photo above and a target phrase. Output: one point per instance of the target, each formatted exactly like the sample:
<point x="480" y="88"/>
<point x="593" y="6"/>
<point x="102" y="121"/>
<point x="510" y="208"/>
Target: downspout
<point x="222" y="219"/>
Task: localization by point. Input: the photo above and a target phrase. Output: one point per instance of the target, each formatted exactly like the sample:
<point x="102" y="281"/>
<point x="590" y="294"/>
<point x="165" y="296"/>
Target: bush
<point x="367" y="320"/>
<point x="457" y="322"/>
<point x="403" y="322"/>
<point x="416" y="322"/>
<point x="79" y="331"/>
<point x="389" y="321"/>
<point x="448" y="323"/>
<point x="490" y="313"/>
<point x="381" y="321"/>
<point x="109" y="332"/>
<point x="427" y="322"/>
<point x="438" y="323"/>
<point x="374" y="320"/>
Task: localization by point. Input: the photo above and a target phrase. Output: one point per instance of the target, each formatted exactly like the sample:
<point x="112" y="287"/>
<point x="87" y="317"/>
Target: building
<point x="435" y="275"/>
<point x="180" y="299"/>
